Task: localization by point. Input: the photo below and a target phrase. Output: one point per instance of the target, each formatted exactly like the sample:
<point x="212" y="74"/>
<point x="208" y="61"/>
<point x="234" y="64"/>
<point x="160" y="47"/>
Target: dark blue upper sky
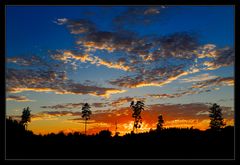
<point x="31" y="28"/>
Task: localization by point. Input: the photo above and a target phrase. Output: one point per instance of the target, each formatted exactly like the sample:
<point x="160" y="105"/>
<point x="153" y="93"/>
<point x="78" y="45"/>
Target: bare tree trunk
<point x="25" y="126"/>
<point x="134" y="124"/>
<point x="85" y="126"/>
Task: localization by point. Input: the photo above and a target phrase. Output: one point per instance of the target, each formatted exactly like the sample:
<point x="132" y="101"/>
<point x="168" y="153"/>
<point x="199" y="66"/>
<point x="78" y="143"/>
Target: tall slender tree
<point x="86" y="112"/>
<point x="160" y="123"/>
<point x="216" y="117"/>
<point x="26" y="117"/>
<point x="137" y="109"/>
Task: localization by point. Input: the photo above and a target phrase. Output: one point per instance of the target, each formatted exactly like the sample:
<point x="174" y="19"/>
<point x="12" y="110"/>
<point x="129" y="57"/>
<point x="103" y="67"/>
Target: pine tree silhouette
<point x="160" y="123"/>
<point x="137" y="109"/>
<point x="216" y="117"/>
<point x="86" y="112"/>
<point x="26" y="117"/>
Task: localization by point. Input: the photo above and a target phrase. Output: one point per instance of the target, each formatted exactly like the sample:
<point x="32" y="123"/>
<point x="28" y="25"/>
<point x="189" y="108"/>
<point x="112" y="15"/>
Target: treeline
<point x="171" y="143"/>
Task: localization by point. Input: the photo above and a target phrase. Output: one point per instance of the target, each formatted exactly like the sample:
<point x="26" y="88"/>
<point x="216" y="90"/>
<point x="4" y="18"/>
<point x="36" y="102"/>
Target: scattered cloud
<point x="143" y="54"/>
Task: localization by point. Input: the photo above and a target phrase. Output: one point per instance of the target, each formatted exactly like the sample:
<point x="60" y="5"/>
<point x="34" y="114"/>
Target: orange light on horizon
<point x="56" y="126"/>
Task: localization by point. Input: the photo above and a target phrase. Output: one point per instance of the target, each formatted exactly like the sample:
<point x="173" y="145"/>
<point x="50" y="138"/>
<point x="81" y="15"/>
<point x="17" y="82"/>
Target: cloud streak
<point x="203" y="84"/>
<point x="201" y="77"/>
<point x="50" y="81"/>
<point x="74" y="105"/>
<point x="18" y="98"/>
<point x="219" y="81"/>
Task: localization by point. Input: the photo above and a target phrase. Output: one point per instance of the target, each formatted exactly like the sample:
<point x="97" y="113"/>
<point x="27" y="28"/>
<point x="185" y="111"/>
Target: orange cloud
<point x="68" y="55"/>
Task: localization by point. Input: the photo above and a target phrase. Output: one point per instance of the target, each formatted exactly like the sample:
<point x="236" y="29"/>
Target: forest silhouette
<point x="161" y="143"/>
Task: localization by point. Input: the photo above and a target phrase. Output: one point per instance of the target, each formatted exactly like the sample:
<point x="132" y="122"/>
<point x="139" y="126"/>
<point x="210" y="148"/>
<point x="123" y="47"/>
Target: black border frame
<point x="235" y="3"/>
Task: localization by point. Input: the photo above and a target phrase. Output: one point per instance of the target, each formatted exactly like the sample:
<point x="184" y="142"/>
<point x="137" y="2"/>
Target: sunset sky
<point x="177" y="59"/>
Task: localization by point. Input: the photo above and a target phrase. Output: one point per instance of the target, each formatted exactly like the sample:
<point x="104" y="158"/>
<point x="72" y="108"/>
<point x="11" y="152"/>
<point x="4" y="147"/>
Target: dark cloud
<point x="179" y="45"/>
<point x="110" y="41"/>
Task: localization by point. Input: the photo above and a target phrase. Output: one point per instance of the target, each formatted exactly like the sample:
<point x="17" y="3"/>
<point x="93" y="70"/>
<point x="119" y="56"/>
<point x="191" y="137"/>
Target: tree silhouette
<point x="105" y="133"/>
<point x="86" y="112"/>
<point x="137" y="109"/>
<point x="26" y="117"/>
<point x="160" y="123"/>
<point x="216" y="117"/>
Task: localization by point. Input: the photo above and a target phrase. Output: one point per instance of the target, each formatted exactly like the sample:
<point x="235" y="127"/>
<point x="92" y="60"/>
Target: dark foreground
<point x="166" y="144"/>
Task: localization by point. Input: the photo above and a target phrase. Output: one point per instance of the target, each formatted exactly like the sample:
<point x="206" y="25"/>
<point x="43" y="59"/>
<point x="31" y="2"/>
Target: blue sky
<point x="103" y="54"/>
